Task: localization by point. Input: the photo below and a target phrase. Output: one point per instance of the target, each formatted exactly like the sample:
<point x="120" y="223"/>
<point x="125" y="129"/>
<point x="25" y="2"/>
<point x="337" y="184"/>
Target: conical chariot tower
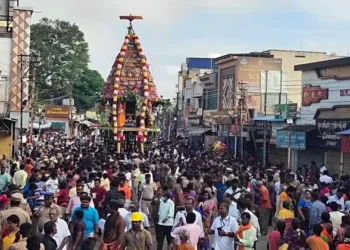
<point x="130" y="94"/>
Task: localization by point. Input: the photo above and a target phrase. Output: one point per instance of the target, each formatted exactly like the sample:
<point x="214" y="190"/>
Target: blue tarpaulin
<point x="345" y="132"/>
<point x="269" y="118"/>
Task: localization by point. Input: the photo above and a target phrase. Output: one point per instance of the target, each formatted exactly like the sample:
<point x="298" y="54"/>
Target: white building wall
<point x="5" y="62"/>
<point x="308" y="112"/>
<point x="290" y="58"/>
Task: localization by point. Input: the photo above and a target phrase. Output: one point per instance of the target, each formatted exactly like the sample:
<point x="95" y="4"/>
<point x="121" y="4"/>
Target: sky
<point x="173" y="30"/>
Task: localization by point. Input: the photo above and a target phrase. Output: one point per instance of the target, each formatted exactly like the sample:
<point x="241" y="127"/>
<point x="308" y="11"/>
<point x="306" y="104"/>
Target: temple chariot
<point x="130" y="97"/>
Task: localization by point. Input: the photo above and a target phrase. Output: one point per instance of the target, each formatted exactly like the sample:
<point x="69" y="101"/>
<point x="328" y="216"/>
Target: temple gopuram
<point x="130" y="96"/>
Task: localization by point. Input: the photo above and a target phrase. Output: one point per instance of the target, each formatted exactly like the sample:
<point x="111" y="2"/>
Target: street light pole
<point x="176" y="113"/>
<point x="242" y="103"/>
<point x="289" y="122"/>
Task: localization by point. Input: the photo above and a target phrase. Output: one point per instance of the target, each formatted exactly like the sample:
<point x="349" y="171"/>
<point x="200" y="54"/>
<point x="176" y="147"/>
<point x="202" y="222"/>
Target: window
<point x="211" y="99"/>
<point x="200" y="103"/>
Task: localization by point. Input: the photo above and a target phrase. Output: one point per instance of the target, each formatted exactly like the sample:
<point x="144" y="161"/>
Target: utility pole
<point x="71" y="122"/>
<point x="242" y="107"/>
<point x="27" y="64"/>
<point x="22" y="106"/>
<point x="280" y="95"/>
<point x="176" y="114"/>
<point x="265" y="110"/>
<point x="32" y="105"/>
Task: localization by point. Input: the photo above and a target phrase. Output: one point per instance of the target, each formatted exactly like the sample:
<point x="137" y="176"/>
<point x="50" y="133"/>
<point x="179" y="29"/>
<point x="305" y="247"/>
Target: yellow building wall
<point x="290" y="58"/>
<point x="5" y="144"/>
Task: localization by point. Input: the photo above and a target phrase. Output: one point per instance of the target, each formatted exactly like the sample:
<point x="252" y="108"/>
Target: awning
<point x="43" y="125"/>
<point x="302" y="128"/>
<point x="89" y="124"/>
<point x="199" y="131"/>
<point x="191" y="129"/>
<point x="345" y="132"/>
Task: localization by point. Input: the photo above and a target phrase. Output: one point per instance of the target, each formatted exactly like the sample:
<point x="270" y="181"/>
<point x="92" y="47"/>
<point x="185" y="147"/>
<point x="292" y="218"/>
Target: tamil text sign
<point x="208" y="81"/>
<point x="297" y="140"/>
<point x="56" y="111"/>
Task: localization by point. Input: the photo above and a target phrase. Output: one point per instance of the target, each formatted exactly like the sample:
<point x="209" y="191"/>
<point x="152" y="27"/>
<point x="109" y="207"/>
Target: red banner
<point x="345" y="144"/>
<point x="313" y="94"/>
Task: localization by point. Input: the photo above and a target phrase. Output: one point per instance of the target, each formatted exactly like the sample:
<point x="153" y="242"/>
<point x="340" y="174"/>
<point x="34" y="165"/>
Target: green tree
<point x="86" y="90"/>
<point x="63" y="56"/>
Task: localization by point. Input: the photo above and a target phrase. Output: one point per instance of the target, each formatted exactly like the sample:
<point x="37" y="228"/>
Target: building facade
<point x="290" y="58"/>
<point x="15" y="24"/>
<point x="326" y="107"/>
<point x="190" y="93"/>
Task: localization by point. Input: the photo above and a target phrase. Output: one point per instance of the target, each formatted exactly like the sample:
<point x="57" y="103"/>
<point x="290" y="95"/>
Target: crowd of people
<point x="64" y="194"/>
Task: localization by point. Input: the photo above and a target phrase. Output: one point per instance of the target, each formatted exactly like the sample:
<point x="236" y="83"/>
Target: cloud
<point x="172" y="69"/>
<point x="324" y="10"/>
<point x="214" y="55"/>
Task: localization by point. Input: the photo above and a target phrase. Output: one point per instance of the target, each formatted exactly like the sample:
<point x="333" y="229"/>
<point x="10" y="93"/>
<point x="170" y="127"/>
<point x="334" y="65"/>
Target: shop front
<point x="293" y="139"/>
<point x="345" y="150"/>
<point x="330" y="122"/>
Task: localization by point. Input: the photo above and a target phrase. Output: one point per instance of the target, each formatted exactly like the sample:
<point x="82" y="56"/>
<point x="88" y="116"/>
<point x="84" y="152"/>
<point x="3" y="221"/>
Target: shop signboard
<point x="297" y="140"/>
<point x="345" y="92"/>
<point x="58" y="126"/>
<point x="313" y="94"/>
<point x="345" y="143"/>
<point x="328" y="129"/>
<point x="249" y="70"/>
<point x="286" y="111"/>
<point x="56" y="111"/>
<point x="208" y="81"/>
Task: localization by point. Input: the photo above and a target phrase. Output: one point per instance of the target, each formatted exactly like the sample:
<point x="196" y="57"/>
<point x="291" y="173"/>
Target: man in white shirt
<point x="323" y="168"/>
<point x="338" y="198"/>
<point x="233" y="211"/>
<point x="166" y="220"/>
<point x="135" y="173"/>
<point x="121" y="209"/>
<point x="243" y="207"/>
<point x="325" y="178"/>
<point x="181" y="215"/>
<point x="51" y="185"/>
<point x="234" y="189"/>
<point x="224" y="228"/>
<point x="335" y="217"/>
<point x="63" y="233"/>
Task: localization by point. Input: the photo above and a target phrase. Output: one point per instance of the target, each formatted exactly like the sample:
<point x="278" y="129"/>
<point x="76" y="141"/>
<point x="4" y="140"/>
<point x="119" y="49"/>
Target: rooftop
<point x="323" y="64"/>
<point x="295" y="51"/>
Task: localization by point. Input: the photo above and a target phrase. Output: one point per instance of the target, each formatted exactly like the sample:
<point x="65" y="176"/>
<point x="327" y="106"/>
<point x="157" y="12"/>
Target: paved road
<point x="261" y="245"/>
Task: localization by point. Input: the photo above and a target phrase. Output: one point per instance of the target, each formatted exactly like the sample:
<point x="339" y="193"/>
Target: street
<point x="261" y="244"/>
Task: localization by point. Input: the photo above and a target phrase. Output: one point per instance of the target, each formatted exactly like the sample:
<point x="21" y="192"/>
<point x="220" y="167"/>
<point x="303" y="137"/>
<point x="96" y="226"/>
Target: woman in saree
<point x="327" y="232"/>
<point x="315" y="241"/>
<point x="184" y="241"/>
<point x="294" y="238"/>
<point x="208" y="207"/>
<point x="303" y="210"/>
<point x="114" y="227"/>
